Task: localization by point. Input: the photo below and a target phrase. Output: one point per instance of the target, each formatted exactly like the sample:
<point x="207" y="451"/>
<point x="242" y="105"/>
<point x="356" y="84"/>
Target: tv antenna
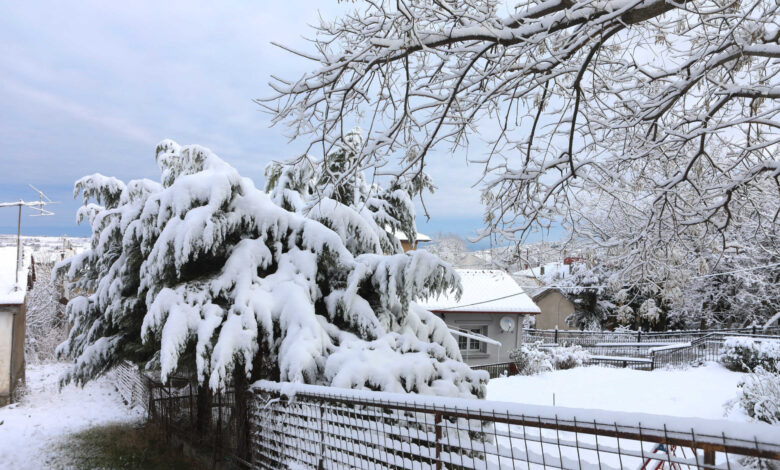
<point x="39" y="206"/>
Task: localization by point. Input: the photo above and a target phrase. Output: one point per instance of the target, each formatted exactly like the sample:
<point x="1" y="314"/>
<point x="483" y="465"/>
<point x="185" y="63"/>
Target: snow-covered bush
<point x="746" y="354"/>
<point x="759" y="395"/>
<point x="568" y="357"/>
<point x="203" y="272"/>
<point x="530" y="360"/>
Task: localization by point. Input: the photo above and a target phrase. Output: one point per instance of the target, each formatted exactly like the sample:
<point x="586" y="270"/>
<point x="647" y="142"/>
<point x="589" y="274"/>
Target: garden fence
<point x="647" y="356"/>
<point x="131" y="384"/>
<point x="306" y="426"/>
<point x="592" y="338"/>
<point x="209" y="428"/>
<point x="315" y="427"/>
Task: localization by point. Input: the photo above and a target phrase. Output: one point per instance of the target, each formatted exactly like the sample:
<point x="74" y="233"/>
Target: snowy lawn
<point x="34" y="429"/>
<point x="695" y="392"/>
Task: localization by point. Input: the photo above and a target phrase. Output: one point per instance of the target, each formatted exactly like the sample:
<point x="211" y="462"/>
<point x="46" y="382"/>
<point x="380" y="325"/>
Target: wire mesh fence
<point x="304" y="426"/>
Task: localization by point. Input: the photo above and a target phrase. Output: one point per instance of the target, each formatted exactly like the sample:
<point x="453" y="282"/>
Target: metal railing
<point x="307" y="426"/>
<point x="706" y="348"/>
<point x="498" y="369"/>
<point x="648" y="356"/>
<point x="623" y="362"/>
<point x="591" y="338"/>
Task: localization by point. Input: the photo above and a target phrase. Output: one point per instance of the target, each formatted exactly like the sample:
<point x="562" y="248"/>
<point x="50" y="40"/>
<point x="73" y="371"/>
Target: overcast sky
<point x="91" y="87"/>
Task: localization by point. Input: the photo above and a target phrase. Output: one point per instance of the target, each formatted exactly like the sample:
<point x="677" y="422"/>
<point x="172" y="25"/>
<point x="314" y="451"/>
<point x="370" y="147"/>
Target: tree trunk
<point x="241" y="411"/>
<point x="203" y="418"/>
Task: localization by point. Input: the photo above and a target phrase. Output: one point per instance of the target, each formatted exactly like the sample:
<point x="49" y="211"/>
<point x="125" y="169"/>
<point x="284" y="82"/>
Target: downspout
<point x="11" y="369"/>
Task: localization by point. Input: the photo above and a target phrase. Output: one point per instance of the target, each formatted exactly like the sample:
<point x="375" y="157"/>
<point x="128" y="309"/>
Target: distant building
<point x="488" y="319"/>
<point x="12" y="323"/>
<point x="555" y="308"/>
<point x="421" y="238"/>
<point x="554" y="304"/>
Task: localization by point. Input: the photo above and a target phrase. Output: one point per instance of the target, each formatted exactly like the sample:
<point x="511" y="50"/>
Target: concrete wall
<point x="555" y="308"/>
<point x="12" y="331"/>
<point x="493" y="354"/>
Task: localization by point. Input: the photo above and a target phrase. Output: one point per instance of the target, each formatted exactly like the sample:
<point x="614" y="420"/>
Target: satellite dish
<point x="507" y="324"/>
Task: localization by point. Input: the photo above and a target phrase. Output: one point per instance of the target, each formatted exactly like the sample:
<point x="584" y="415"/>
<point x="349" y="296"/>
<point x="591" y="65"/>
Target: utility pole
<point x="36" y="206"/>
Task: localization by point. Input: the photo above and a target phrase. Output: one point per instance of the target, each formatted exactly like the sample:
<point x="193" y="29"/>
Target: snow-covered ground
<point x="32" y="429"/>
<point x="699" y="392"/>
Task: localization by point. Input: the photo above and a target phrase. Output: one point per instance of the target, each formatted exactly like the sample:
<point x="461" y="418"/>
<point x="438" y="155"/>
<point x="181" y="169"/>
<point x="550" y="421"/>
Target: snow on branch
<point x="663" y="112"/>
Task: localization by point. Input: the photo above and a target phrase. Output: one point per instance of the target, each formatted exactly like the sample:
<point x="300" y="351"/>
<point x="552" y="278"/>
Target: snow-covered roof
<point x="421" y="237"/>
<point x="485" y="290"/>
<point x="10" y="292"/>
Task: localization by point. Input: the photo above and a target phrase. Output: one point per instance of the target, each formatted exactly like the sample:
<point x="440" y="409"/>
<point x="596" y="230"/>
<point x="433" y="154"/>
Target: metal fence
<point x="131" y="384"/>
<point x="498" y="369"/>
<point x="592" y="338"/>
<point x="209" y="428"/>
<point x="642" y="356"/>
<point x="306" y="426"/>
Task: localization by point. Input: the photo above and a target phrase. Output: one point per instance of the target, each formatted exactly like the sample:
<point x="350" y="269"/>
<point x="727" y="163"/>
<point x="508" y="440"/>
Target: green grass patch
<point x="123" y="446"/>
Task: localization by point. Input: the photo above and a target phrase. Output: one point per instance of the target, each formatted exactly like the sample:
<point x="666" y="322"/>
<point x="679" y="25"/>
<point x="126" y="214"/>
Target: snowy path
<point x="696" y="392"/>
<point x="31" y="430"/>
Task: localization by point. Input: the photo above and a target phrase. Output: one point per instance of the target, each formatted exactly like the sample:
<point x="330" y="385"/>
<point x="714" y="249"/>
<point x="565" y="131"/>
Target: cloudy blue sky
<point x="92" y="86"/>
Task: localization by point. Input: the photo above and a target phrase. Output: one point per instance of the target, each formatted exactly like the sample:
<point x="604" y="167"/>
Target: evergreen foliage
<point x="205" y="273"/>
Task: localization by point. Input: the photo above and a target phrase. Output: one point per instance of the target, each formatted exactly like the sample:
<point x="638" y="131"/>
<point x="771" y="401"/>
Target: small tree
<point x="46" y="325"/>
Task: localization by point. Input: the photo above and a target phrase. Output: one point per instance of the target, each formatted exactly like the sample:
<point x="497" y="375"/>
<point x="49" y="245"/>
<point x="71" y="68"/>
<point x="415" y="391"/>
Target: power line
<point x="599" y="286"/>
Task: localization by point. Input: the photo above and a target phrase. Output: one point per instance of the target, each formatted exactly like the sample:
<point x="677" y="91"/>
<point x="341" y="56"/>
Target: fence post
<point x="437" y="423"/>
<point x="639" y="336"/>
<point x="709" y="457"/>
<point x="321" y="464"/>
<point x="556" y="335"/>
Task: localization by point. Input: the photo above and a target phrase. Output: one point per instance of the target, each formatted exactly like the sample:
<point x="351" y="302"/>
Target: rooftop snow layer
<point x="421" y="237"/>
<point x="10" y="292"/>
<point x="485" y="290"/>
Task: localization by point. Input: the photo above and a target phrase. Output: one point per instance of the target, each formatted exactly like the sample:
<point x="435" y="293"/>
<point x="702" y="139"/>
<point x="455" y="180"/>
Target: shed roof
<point x="10" y="292"/>
<point x="484" y="291"/>
<point x="421" y="237"/>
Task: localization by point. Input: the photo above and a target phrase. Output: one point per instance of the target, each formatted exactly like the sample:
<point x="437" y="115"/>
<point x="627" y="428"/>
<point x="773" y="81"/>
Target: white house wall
<point x="6" y="344"/>
<point x="494" y="353"/>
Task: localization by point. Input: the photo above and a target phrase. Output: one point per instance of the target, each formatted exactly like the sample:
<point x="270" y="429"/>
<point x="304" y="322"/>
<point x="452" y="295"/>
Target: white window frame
<point x="471" y="342"/>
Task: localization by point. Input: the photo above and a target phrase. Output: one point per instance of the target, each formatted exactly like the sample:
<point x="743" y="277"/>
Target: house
<point x="488" y="318"/>
<point x="13" y="290"/>
<point x="421" y="238"/>
<point x="555" y="308"/>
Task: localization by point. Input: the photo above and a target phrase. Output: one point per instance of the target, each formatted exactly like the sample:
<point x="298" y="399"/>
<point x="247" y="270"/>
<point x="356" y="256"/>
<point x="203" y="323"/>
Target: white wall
<point x="493" y="354"/>
<point x="6" y="327"/>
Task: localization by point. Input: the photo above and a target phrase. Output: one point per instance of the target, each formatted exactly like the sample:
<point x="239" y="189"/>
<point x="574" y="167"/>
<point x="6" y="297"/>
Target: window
<point x="471" y="345"/>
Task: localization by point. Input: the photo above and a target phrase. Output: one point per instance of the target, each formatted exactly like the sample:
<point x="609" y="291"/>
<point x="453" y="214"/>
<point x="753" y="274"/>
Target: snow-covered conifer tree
<point x="205" y="272"/>
<point x="330" y="191"/>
